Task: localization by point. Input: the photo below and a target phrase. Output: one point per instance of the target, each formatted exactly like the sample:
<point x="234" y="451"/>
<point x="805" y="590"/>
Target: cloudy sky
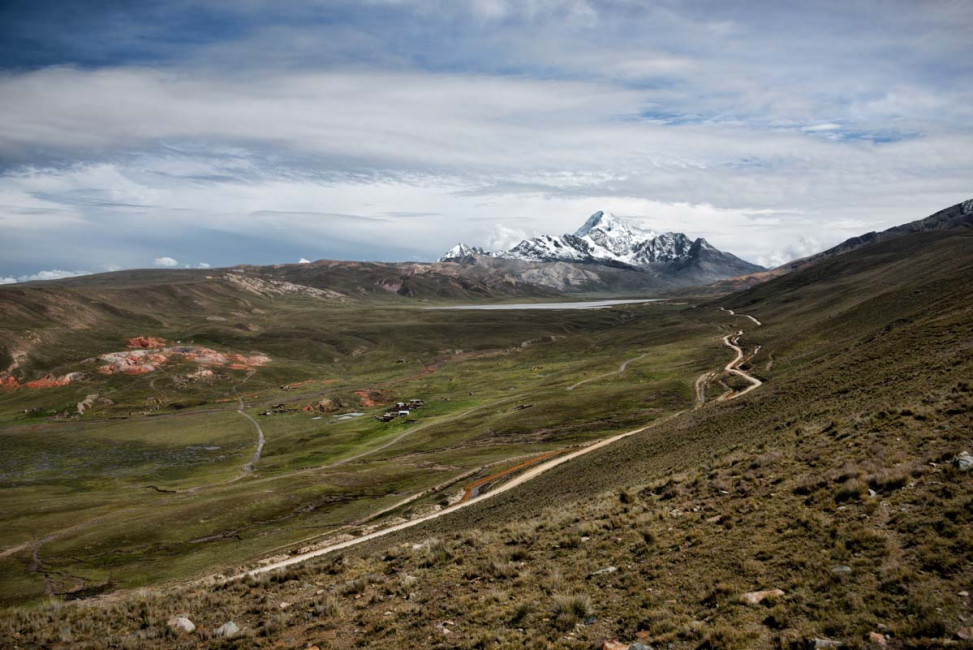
<point x="177" y="133"/>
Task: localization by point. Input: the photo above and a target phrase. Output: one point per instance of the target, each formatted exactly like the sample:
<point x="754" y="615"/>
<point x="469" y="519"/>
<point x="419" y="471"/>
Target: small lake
<point x="588" y="304"/>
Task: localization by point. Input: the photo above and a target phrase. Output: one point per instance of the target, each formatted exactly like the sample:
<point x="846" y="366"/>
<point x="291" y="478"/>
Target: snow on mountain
<point x="461" y="252"/>
<point x="605" y="239"/>
<point x="603" y="230"/>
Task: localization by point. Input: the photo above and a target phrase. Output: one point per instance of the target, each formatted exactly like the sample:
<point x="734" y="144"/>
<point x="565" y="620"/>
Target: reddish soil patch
<point x="366" y="398"/>
<point x="48" y="382"/>
<point x="146" y="342"/>
<point x="9" y="383"/>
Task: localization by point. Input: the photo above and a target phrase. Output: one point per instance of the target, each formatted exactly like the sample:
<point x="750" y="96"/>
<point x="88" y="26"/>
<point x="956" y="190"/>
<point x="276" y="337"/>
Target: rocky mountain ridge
<point x="608" y="241"/>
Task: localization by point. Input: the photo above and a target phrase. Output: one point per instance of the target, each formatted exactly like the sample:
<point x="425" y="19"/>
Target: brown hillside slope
<point x="954" y="218"/>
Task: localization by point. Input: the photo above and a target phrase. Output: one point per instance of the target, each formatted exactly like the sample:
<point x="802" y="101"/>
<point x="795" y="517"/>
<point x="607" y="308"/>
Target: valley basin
<point x="588" y="304"/>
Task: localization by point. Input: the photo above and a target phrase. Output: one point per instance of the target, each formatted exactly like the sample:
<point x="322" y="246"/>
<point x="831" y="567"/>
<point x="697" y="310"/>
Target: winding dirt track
<point x="733" y="313"/>
<point x="730" y="341"/>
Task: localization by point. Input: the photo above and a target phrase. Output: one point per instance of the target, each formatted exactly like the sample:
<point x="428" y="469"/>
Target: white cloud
<point x="303" y="260"/>
<point x="503" y="237"/>
<point x="7" y="280"/>
<point x="821" y="127"/>
<point x="53" y="274"/>
<point x="203" y="265"/>
<point x="802" y="247"/>
<point x="759" y="139"/>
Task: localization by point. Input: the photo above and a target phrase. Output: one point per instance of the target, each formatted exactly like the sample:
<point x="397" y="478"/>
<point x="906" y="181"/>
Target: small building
<point x="403" y="414"/>
<point x="416" y="403"/>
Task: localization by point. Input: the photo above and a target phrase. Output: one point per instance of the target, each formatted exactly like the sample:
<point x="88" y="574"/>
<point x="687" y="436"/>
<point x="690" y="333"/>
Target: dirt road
<point x="519" y="480"/>
<point x="731" y="340"/>
<point x="733" y="313"/>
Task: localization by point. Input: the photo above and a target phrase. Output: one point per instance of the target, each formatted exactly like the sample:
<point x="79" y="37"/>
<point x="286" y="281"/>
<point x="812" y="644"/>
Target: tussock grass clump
<point x="520" y="614"/>
<point x="520" y="533"/>
<point x="569" y="541"/>
<point x="328" y="607"/>
<point x="851" y="489"/>
<point x="570" y="609"/>
<point x="433" y="552"/>
<point x="888" y="480"/>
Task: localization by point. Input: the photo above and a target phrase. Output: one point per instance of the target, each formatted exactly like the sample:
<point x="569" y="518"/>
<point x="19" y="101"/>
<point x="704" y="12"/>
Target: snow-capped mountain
<point x="461" y="252"/>
<point x="605" y="239"/>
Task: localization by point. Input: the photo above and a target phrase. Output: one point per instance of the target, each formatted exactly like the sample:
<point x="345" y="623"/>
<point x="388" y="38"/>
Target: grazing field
<point x="150" y="483"/>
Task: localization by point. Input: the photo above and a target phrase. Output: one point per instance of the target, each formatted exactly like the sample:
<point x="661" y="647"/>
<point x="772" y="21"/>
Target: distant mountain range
<point x="605" y="240"/>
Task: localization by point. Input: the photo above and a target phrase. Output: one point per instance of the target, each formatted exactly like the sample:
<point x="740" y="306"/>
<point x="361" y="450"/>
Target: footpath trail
<point x="701" y="382"/>
<point x="247" y="469"/>
<point x="535" y="469"/>
<point x="620" y="370"/>
<point x="261" y="439"/>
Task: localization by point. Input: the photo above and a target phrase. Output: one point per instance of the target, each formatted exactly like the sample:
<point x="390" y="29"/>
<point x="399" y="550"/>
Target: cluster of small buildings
<point x="277" y="409"/>
<point x="401" y="410"/>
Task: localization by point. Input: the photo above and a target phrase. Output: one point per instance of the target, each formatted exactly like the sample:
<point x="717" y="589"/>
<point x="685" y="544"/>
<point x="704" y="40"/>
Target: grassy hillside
<point x="838" y="482"/>
<point x="149" y="483"/>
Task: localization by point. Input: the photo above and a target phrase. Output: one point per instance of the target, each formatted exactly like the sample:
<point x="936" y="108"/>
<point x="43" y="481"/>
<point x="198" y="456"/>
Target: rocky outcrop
<point x="757" y="597"/>
<point x="141" y="361"/>
<point x="227" y="630"/>
<point x="272" y="288"/>
<point x="963" y="461"/>
<point x="92" y="400"/>
<point x="181" y="625"/>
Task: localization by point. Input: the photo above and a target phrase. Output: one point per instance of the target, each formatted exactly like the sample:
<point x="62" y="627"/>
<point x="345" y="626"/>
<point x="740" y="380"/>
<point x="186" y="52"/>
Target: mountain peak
<point x="461" y="252"/>
<point x="602" y="221"/>
<point x="605" y="239"/>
